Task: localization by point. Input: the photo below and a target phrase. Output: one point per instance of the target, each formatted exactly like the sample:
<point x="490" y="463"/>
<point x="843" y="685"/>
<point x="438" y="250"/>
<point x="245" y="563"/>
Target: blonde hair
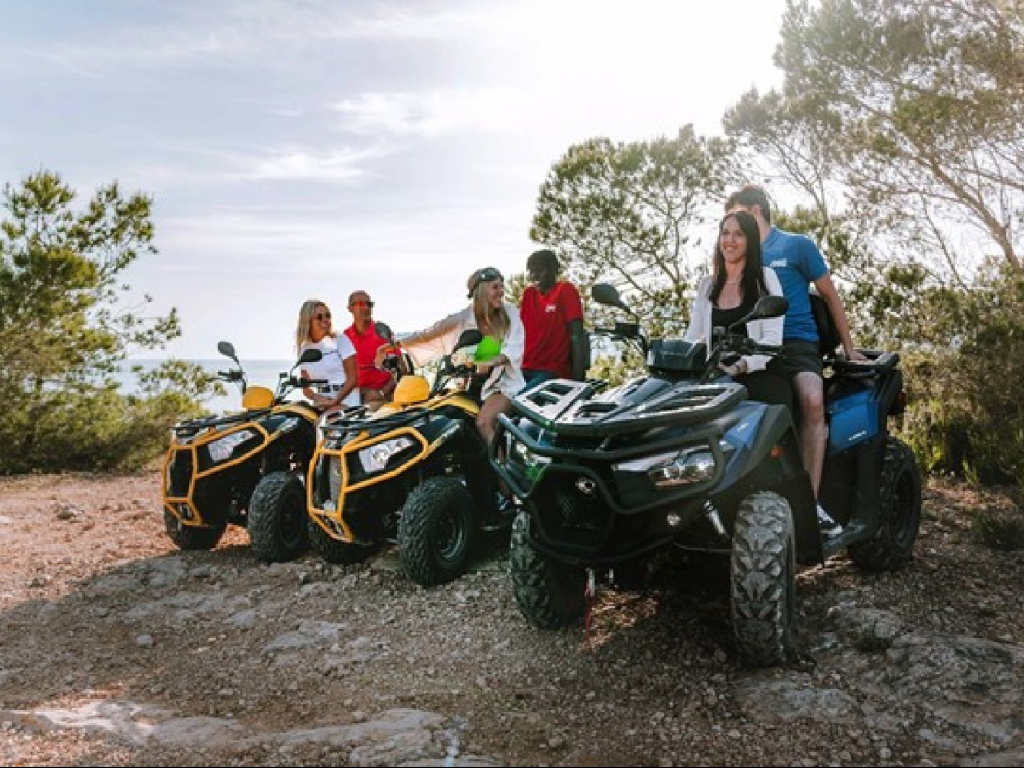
<point x="490" y="321"/>
<point x="306" y="313"/>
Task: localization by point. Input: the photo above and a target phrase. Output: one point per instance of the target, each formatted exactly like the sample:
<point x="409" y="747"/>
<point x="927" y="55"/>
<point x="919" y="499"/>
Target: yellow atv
<point x="244" y="468"/>
<point x="415" y="472"/>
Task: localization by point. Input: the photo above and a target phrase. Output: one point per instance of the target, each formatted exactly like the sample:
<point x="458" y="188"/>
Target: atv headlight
<point x="667" y="470"/>
<point x="333" y="481"/>
<point x="289" y="424"/>
<point x="221" y="448"/>
<point x="376" y="457"/>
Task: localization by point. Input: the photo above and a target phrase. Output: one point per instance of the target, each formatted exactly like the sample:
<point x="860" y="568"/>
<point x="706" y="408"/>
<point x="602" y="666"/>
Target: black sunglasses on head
<point x="485" y="275"/>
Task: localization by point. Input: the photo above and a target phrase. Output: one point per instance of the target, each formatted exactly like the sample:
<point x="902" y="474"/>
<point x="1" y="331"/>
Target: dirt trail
<point x="117" y="649"/>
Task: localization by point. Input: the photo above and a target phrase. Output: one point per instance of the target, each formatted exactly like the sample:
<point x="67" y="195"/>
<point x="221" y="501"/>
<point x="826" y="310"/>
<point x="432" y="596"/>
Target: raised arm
<point x="435" y="341"/>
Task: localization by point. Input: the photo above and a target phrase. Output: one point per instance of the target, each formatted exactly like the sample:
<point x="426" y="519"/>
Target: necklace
<point x="737" y="281"/>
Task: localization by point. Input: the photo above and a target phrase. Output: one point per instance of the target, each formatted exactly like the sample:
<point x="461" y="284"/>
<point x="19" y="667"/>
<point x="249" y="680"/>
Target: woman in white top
<point x="737" y="281"/>
<point x="495" y="318"/>
<point x="338" y="364"/>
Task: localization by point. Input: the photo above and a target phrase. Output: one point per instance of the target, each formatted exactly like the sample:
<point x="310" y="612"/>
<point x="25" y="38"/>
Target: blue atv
<point x="611" y="478"/>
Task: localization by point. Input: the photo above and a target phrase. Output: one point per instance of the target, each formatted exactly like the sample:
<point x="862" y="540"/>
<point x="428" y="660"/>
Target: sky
<point x="308" y="149"/>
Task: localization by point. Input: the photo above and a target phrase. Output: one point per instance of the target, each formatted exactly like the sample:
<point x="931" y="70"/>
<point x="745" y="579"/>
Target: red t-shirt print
<point x="546" y="319"/>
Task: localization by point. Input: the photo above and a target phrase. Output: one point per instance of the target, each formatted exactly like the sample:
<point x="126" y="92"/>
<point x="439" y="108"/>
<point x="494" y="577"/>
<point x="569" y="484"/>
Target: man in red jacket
<point x="557" y="345"/>
<point x="375" y="384"/>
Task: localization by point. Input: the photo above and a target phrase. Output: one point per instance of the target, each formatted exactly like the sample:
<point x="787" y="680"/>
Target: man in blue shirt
<point x="799" y="264"/>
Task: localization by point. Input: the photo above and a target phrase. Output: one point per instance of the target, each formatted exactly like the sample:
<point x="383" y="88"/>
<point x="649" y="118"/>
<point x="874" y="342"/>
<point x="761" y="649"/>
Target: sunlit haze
<point x="301" y="149"/>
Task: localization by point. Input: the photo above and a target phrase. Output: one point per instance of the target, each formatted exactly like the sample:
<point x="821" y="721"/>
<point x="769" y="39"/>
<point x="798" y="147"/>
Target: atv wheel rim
<point x="904" y="517"/>
<point x="293" y="522"/>
<point x="450" y="536"/>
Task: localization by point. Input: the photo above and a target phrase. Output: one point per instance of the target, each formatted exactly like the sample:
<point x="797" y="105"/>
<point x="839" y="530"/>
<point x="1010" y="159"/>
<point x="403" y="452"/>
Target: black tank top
<point x="726" y="317"/>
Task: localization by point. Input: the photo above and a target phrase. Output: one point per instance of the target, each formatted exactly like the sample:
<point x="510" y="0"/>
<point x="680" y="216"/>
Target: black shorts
<point x="768" y="387"/>
<point x="797" y="356"/>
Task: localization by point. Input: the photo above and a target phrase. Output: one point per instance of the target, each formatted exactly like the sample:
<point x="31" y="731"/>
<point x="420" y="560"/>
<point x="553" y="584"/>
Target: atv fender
<point x="777" y="435"/>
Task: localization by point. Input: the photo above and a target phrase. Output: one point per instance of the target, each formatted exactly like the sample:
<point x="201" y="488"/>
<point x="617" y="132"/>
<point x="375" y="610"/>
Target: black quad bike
<point x="610" y="478"/>
<point x="415" y="471"/>
<point x="244" y="468"/>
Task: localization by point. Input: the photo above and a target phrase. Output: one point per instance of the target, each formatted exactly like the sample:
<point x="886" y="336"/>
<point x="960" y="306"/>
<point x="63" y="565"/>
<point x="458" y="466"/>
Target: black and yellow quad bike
<point x="415" y="471"/>
<point x="244" y="468"/>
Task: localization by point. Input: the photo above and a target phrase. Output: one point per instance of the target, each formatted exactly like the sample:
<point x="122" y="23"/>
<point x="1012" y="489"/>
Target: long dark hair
<point x="752" y="283"/>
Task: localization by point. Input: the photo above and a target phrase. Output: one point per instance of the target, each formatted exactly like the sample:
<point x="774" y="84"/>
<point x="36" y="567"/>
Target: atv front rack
<point x="567" y="407"/>
<point x="193" y="427"/>
<point x="356" y="420"/>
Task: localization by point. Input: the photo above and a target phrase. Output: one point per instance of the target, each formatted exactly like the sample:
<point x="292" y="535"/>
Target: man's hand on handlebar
<point x="854" y="355"/>
<point x="385" y="349"/>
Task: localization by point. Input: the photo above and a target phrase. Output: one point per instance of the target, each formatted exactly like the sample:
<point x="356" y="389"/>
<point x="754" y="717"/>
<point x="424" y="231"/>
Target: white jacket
<point x="767" y="331"/>
<point x="439" y="339"/>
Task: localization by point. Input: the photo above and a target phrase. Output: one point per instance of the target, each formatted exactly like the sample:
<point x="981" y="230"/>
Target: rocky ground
<point x="117" y="649"/>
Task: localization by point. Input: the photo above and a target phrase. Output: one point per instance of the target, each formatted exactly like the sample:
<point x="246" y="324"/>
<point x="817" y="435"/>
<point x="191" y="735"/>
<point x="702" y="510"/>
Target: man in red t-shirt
<point x="375" y="384"/>
<point x="557" y="345"/>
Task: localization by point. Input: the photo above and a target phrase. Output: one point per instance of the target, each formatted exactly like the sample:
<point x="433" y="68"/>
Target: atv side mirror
<point x="310" y="356"/>
<point x="603" y="293"/>
<point x="469" y="337"/>
<point x="227" y="349"/>
<point x="384" y="331"/>
<point x="769" y="306"/>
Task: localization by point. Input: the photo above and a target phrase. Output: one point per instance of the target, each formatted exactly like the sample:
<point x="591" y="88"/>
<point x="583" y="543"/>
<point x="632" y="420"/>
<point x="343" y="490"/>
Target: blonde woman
<point x="502" y="328"/>
<point x="338" y="364"/>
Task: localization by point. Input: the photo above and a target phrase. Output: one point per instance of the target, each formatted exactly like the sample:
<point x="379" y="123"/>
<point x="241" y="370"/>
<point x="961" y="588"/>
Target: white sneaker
<point x="829" y="527"/>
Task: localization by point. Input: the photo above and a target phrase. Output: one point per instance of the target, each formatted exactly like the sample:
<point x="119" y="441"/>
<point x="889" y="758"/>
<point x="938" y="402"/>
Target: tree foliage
<point x="639" y="215"/>
<point x="916" y="109"/>
<point x="65" y="328"/>
<point x="968" y="417"/>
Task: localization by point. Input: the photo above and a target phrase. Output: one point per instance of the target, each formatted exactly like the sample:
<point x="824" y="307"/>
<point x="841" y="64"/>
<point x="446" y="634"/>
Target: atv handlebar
<point x="231" y="376"/>
<point x="286" y="383"/>
<point x="234" y="376"/>
<point x="746" y="346"/>
<point x="449" y="372"/>
<point x="877" y="362"/>
<point x="628" y="332"/>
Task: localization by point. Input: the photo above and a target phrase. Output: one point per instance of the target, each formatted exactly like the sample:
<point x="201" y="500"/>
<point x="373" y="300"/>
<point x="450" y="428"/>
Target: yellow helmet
<point x="411" y="389"/>
<point x="257" y="397"/>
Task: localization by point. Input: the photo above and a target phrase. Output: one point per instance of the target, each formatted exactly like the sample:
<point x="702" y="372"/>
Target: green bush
<point x="965" y="415"/>
<point x="102" y="430"/>
<point x="1000" y="529"/>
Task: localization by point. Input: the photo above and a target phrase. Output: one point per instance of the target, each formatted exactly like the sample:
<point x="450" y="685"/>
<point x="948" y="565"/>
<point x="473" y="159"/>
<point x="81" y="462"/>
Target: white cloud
<point x="333" y="165"/>
<point x="429" y="114"/>
<point x="194" y="167"/>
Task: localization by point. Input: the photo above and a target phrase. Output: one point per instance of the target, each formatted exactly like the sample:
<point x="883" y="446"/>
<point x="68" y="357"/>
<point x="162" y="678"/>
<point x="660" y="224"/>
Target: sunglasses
<point x="322" y="316"/>
<point x="485" y="275"/>
<point x="362" y="304"/>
